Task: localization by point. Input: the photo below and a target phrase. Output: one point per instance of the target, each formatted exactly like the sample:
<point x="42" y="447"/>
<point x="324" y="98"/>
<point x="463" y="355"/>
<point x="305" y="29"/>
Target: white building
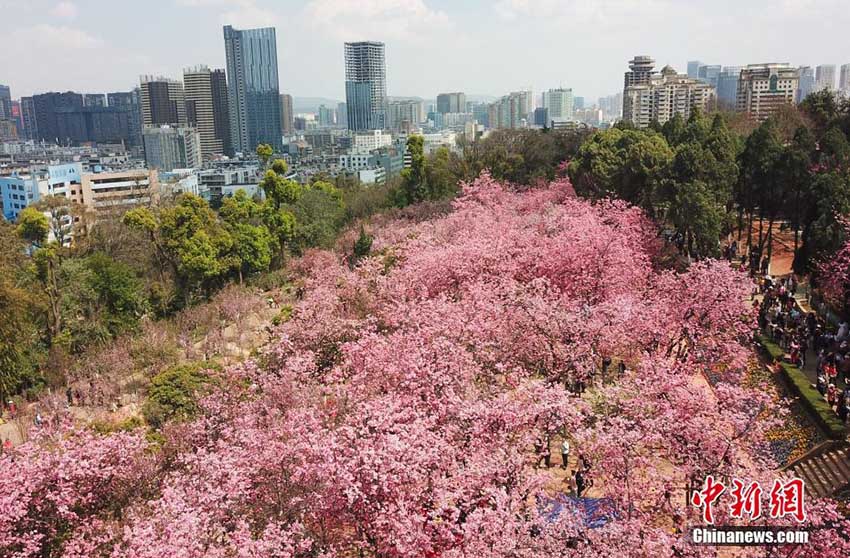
<point x="764" y="88"/>
<point x="649" y="96"/>
<point x="370" y="141"/>
<point x="844" y="80"/>
<point x="825" y="77"/>
<point x="559" y="103"/>
<point x="168" y="148"/>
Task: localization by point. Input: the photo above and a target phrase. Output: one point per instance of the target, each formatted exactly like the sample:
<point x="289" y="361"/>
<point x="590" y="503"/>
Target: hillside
<point x="404" y="407"/>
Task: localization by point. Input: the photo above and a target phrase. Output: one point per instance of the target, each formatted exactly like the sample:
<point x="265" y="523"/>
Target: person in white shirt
<point x="565" y="453"/>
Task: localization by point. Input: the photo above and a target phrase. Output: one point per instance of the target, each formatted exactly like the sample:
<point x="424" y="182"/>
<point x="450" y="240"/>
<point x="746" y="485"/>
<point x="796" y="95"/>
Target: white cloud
<point x="238" y="13"/>
<point x="579" y="11"/>
<point x="64" y="10"/>
<point x="61" y="37"/>
<point x="403" y="20"/>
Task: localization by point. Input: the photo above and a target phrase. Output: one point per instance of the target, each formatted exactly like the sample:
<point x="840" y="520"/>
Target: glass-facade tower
<point x="253" y="88"/>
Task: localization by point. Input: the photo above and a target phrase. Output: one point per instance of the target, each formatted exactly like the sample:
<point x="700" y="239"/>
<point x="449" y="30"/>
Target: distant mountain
<point x="311" y="104"/>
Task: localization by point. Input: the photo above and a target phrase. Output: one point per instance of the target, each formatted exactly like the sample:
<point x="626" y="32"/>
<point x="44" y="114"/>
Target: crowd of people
<point x="798" y="332"/>
<point x="578" y="480"/>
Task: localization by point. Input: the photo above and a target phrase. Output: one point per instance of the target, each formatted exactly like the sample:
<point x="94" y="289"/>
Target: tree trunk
<point x="749" y="231"/>
<point x="769" y="239"/>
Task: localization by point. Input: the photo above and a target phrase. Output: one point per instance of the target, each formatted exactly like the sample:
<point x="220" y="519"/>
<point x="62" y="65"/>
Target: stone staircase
<point x="826" y="468"/>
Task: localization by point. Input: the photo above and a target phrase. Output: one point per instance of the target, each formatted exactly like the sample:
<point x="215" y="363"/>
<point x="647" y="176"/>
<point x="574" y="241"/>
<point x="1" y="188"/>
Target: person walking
<point x="572" y="488"/>
<point x="565" y="453"/>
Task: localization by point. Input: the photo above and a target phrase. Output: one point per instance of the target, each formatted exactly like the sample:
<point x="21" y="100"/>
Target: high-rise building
<point x="163" y="102"/>
<point x="541" y="117"/>
<point x="656" y="97"/>
<point x="342" y="115"/>
<point x="764" y="88"/>
<point x="807" y="83"/>
<point x="28" y="117"/>
<point x="131" y="102"/>
<point x="510" y="111"/>
<point x="168" y="148"/>
<point x="693" y="68"/>
<point x="326" y="117"/>
<point x="200" y="109"/>
<point x="47" y="107"/>
<point x="611" y="107"/>
<point x="480" y="113"/>
<point x="5" y="102"/>
<point x="559" y="104"/>
<point x="17" y="118"/>
<point x="640" y="71"/>
<point x="365" y="85"/>
<point x="94" y="100"/>
<point x="578" y="103"/>
<point x="405" y="115"/>
<point x="253" y="88"/>
<point x="287" y="118"/>
<point x="825" y="77"/>
<point x="844" y="79"/>
<point x="451" y="102"/>
<point x="727" y="86"/>
<point x="221" y="110"/>
<point x="709" y="74"/>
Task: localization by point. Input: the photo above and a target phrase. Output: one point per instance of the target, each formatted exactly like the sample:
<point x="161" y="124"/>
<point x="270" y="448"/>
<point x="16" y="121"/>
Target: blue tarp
<point x="595" y="512"/>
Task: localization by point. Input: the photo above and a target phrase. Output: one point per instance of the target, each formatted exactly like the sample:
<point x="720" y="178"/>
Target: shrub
<point x="174" y="393"/>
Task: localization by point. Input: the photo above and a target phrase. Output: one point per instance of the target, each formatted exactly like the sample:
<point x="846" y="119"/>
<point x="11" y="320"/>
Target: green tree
<point x="33" y="226"/>
<point x="174" y="393"/>
<point x="414" y="184"/>
<point x="319" y="215"/>
<point x="21" y="311"/>
<point x="628" y="164"/>
<point x="191" y="238"/>
<point x="759" y="184"/>
<point x="253" y="244"/>
<point x="264" y="153"/>
<point x="441" y="183"/>
<point x="694" y="212"/>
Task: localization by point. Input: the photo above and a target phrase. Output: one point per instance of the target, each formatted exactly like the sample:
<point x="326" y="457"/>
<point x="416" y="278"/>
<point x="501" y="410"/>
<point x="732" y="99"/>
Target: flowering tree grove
<point x="397" y="412"/>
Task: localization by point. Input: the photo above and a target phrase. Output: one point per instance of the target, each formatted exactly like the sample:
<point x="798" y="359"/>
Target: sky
<point x="476" y="46"/>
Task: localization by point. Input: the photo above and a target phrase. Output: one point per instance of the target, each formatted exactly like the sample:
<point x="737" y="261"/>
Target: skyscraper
<point x="709" y="74"/>
<point x="693" y="68"/>
<point x="807" y="83"/>
<point x="5" y="103"/>
<point x="727" y="86"/>
<point x="342" y="115"/>
<point x="844" y="80"/>
<point x="131" y="102"/>
<point x="221" y="110"/>
<point x="47" y="107"/>
<point x="559" y="105"/>
<point x="451" y="102"/>
<point x="825" y="77"/>
<point x="200" y="109"/>
<point x="28" y="117"/>
<point x="163" y="102"/>
<point x="253" y="88"/>
<point x="287" y="118"/>
<point x="365" y="85"/>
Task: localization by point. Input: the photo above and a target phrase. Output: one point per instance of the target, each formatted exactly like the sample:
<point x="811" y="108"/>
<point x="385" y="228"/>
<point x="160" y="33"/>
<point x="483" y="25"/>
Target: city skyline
<point x="424" y="39"/>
